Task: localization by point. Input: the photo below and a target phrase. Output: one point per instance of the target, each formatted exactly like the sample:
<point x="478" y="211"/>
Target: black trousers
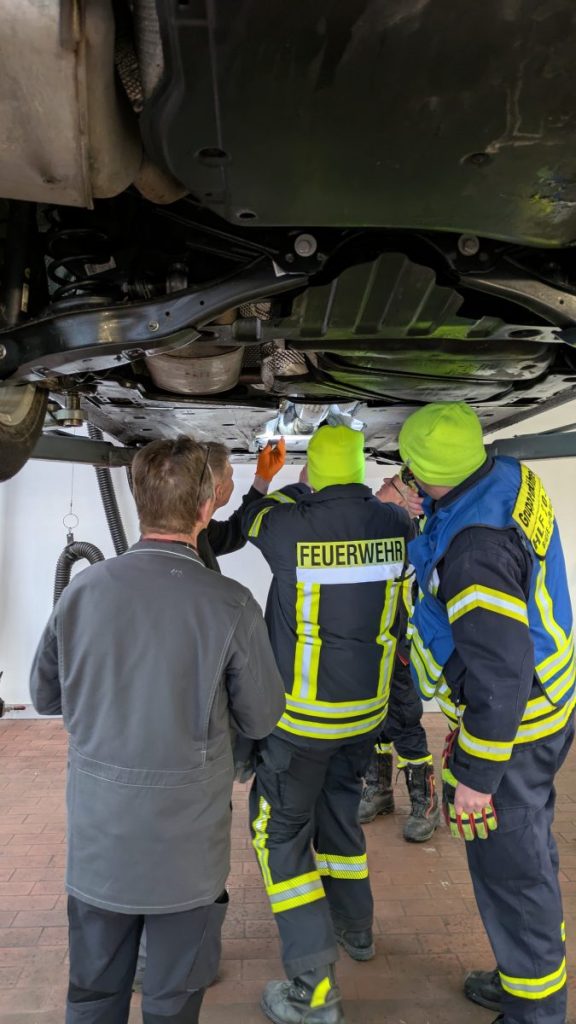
<point x="310" y="847"/>
<point x="403" y="723"/>
<point x="183" y="954"/>
<point x="515" y="878"/>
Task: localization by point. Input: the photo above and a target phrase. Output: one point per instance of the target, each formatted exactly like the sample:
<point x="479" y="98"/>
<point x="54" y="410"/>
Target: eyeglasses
<point x="202" y="475"/>
<point x="408" y="479"/>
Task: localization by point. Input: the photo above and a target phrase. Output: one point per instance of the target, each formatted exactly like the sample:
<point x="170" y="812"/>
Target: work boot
<point x="424" y="815"/>
<point x="358" y="945"/>
<point x="312" y="998"/>
<point x="484" y="988"/>
<point x="377" y="795"/>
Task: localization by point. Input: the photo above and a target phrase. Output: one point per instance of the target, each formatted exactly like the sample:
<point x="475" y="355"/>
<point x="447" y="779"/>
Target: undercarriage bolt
<point x="305" y="245"/>
<point x="468" y="245"/>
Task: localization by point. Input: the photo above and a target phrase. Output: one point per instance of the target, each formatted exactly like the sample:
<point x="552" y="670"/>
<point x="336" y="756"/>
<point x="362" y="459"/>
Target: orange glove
<point x="271" y="459"/>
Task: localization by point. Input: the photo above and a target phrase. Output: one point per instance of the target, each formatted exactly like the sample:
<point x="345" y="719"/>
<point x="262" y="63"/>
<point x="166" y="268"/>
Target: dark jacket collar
<point x="338" y="491"/>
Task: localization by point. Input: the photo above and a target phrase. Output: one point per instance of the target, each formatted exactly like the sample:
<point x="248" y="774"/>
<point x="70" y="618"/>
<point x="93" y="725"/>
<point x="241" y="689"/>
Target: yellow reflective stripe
<point x="432" y="667"/>
<point x="490" y="750"/>
<point x="335" y="709"/>
<point x="555" y="661"/>
<point x="336" y="866"/>
<point x="329" y="730"/>
<point x="535" y="988"/>
<point x="320" y="993"/>
<point x="385" y="639"/>
<point x="490" y="600"/>
<point x="427" y="688"/>
<point x="544" y="603"/>
<point x="407" y="595"/>
<point x="538" y="706"/>
<point x="383" y="748"/>
<point x="295" y="892"/>
<point x="563" y="931"/>
<point x="308" y="642"/>
<point x="257" y="523"/>
<point x="283" y="498"/>
<point x="548" y="726"/>
<point x="260" y="838"/>
<point x="402" y="762"/>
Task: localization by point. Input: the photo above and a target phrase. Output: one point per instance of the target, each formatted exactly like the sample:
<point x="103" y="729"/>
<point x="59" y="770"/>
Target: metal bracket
<point x="556" y="444"/>
<point x="83" y="340"/>
<point x="55" y="447"/>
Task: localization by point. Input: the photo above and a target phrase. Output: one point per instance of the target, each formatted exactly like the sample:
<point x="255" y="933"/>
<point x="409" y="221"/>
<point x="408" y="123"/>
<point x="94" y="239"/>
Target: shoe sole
<point x="279" y="1020"/>
<point x="357" y="954"/>
<point x="488" y="1004"/>
<point x="379" y="814"/>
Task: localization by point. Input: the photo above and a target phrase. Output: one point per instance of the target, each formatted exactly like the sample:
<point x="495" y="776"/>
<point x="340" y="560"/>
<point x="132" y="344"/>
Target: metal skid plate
<point x="396" y="113"/>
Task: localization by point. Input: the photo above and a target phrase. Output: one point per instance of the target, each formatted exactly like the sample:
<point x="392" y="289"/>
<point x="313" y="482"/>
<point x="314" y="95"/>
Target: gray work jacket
<point x="154" y="661"/>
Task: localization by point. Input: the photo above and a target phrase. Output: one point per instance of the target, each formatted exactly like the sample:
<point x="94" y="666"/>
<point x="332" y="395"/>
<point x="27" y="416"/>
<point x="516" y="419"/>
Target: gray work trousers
<point x="183" y="954"/>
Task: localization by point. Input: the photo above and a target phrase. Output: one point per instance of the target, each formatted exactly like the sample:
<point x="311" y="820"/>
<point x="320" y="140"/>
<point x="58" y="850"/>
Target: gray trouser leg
<point x="103" y="951"/>
<point x="183" y="954"/>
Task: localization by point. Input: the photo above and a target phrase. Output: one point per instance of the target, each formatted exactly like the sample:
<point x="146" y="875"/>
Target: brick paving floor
<point x="427" y="929"/>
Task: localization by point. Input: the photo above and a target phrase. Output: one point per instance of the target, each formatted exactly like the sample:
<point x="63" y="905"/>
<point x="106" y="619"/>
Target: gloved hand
<point x="271" y="459"/>
<point x="243" y="771"/>
<point x="467" y="825"/>
<point x="245" y="751"/>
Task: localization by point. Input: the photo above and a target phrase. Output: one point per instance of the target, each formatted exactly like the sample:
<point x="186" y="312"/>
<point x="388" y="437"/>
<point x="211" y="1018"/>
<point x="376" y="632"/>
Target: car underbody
<point x="300" y="214"/>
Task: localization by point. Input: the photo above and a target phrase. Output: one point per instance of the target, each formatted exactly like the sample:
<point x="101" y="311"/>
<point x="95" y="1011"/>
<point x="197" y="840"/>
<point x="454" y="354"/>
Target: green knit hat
<point x="336" y="456"/>
<point x="442" y="443"/>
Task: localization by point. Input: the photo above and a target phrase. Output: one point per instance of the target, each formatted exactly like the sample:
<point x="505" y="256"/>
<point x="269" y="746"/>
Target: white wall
<point x="32" y="536"/>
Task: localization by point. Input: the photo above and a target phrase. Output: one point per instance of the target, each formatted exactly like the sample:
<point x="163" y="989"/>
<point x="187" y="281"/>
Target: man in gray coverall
<point x="154" y="661"/>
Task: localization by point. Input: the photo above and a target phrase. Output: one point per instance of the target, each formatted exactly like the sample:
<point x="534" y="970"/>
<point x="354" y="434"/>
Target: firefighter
<point x="338" y="558"/>
<point x="492" y="641"/>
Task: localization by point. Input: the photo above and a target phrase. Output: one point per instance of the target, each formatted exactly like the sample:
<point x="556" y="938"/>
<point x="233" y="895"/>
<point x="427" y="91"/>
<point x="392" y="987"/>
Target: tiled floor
<point x="428" y="931"/>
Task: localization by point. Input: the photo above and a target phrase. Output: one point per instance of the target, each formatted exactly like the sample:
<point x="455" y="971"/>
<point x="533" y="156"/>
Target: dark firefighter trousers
<point x="183" y="955"/>
<point x="310" y="847"/>
<point x="403" y="723"/>
<point x="515" y="878"/>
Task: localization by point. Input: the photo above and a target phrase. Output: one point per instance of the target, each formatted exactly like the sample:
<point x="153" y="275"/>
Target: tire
<point x="22" y="411"/>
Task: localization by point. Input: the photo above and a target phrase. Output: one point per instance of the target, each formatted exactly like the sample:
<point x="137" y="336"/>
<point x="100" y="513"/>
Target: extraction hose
<point x="108" y="495"/>
<point x="72" y="553"/>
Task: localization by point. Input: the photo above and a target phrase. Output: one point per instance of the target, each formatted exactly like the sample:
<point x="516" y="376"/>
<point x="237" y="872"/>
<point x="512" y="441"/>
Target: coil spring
<point x="80" y="263"/>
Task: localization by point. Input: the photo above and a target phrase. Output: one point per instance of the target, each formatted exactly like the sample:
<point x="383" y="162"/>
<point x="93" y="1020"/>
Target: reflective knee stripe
<point x="295" y="892"/>
<point x="383" y="748"/>
<point x="335" y="866"/>
<point x="308" y="642"/>
<point x="490" y="750"/>
<point x="257" y="522"/>
<point x="490" y="600"/>
<point x="402" y="762"/>
<point x="535" y="988"/>
<point x="260" y="838"/>
<point x="385" y="639"/>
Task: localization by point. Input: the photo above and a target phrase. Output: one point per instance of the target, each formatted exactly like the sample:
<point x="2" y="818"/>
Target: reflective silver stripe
<point x="296" y="890"/>
<point x="351" y="574"/>
<point x="282" y="498"/>
<point x="535" y="988"/>
<point x="345" y="709"/>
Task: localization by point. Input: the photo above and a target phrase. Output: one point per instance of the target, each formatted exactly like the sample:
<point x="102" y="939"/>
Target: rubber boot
<point x="484" y="988"/>
<point x="424" y="815"/>
<point x="312" y="998"/>
<point x="377" y="795"/>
